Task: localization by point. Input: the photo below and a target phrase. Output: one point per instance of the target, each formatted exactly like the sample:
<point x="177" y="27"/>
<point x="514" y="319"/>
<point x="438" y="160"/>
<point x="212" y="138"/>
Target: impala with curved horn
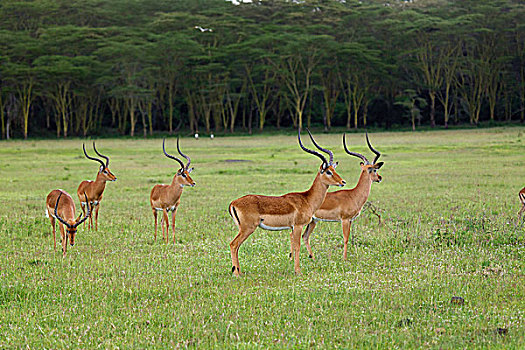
<point x="345" y="205"/>
<point x="64" y="211"/>
<point x="95" y="189"/>
<point x="522" y="200"/>
<point x="166" y="198"/>
<point x="290" y="211"/>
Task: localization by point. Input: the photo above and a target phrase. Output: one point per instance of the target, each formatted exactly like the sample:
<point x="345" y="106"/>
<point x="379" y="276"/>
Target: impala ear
<point x="335" y="165"/>
<point x="190" y="170"/>
<point x="362" y="163"/>
<point x="378" y="165"/>
<point x="101" y="169"/>
<point x="322" y="168"/>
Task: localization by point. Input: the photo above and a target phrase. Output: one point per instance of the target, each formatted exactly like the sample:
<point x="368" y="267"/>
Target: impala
<point x="522" y="200"/>
<point x="345" y="205"/>
<point x="166" y="198"/>
<point x="95" y="189"/>
<point x="64" y="211"/>
<point x="289" y="211"/>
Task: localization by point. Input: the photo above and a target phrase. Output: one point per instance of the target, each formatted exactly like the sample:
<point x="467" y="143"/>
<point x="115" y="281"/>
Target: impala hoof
<point x="311" y="256"/>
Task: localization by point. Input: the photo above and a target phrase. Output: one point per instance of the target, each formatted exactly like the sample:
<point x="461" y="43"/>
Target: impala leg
<point x="306" y="237"/>
<point x="235" y="245"/>
<point x="52" y="219"/>
<point x="173" y="214"/>
<point x="292" y="255"/>
<point x="162" y="225"/>
<point x="90" y="226"/>
<point x="63" y="236"/>
<point x="346" y="234"/>
<point x="96" y="216"/>
<point x="155" y="216"/>
<point x="166" y="222"/>
<point x="83" y="207"/>
<point x="520" y="213"/>
<point x="296" y="244"/>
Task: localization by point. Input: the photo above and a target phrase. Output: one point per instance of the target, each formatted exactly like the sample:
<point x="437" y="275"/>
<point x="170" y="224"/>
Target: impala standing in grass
<point x="345" y="205"/>
<point x="95" y="189"/>
<point x="64" y="211"/>
<point x="166" y="198"/>
<point x="291" y="211"/>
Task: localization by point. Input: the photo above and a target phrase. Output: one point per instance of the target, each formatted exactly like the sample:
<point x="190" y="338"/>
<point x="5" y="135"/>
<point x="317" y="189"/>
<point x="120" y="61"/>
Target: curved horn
<point x="101" y="155"/>
<point x="309" y="150"/>
<point x="182" y="154"/>
<point x="87" y="214"/>
<point x="358" y="155"/>
<point x="88" y="157"/>
<point x="321" y="148"/>
<point x="372" y="149"/>
<point x="56" y="213"/>
<point x="170" y="156"/>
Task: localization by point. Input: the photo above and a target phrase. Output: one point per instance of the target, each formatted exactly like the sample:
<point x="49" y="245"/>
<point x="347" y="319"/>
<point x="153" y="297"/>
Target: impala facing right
<point x="346" y="205"/>
<point x="166" y="198"/>
<point x="291" y="211"/>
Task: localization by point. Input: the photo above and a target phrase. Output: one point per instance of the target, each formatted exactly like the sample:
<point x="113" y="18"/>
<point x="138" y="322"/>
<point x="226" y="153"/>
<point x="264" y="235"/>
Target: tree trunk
<point x="432" y="96"/>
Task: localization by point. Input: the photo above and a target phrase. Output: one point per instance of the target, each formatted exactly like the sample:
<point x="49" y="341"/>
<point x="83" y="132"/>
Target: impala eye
<point x="329" y="173"/>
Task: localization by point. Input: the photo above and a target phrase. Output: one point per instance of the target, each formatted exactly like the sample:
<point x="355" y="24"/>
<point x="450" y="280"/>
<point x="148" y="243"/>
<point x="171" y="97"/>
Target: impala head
<point x="71" y="224"/>
<point x="327" y="171"/>
<point x="366" y="166"/>
<point x="183" y="174"/>
<point x="104" y="167"/>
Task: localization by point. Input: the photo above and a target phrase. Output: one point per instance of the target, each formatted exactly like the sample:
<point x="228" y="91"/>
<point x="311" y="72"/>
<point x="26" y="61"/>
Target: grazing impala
<point x="345" y="205"/>
<point x="166" y="198"/>
<point x="95" y="189"/>
<point x="64" y="211"/>
<point x="522" y="200"/>
<point x="289" y="211"/>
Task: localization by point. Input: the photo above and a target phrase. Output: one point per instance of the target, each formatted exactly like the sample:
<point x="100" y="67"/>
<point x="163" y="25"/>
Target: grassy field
<point x="448" y="199"/>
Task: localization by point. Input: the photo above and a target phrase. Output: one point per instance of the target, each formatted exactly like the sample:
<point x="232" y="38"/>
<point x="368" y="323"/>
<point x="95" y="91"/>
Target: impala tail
<point x="233" y="214"/>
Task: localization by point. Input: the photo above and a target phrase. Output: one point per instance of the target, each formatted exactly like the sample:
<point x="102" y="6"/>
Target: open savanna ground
<point x="448" y="201"/>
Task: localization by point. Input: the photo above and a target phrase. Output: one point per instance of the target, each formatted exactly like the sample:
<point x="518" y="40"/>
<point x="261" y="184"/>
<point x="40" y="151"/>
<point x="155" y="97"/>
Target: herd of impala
<point x="291" y="211"/>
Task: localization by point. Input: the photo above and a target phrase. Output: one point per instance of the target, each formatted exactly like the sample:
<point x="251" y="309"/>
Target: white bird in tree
<point x="203" y="29"/>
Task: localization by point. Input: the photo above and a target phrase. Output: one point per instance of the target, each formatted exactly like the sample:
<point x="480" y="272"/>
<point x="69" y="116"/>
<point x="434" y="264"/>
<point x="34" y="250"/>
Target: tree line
<point x="88" y="67"/>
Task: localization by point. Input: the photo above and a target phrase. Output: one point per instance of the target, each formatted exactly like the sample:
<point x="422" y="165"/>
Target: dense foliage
<point x="86" y="67"/>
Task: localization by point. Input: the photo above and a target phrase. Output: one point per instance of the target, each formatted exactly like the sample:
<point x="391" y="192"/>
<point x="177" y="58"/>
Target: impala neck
<point x="177" y="182"/>
<point x="362" y="189"/>
<point x="99" y="184"/>
<point x="316" y="193"/>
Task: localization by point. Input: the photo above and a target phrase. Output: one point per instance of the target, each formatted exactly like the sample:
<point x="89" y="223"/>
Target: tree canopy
<point x="139" y="66"/>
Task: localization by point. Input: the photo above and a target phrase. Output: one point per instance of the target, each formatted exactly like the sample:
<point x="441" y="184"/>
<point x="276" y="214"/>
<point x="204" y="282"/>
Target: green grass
<point x="448" y="198"/>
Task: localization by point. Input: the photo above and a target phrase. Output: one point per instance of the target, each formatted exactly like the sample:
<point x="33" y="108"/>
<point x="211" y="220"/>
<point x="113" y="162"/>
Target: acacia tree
<point x="358" y="68"/>
<point x="124" y="54"/>
<point x="174" y="52"/>
<point x="296" y="66"/>
<point x="328" y="78"/>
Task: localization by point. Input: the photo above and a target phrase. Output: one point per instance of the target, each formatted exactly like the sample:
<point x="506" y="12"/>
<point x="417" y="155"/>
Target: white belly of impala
<point x="316" y="219"/>
<point x="274" y="228"/>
